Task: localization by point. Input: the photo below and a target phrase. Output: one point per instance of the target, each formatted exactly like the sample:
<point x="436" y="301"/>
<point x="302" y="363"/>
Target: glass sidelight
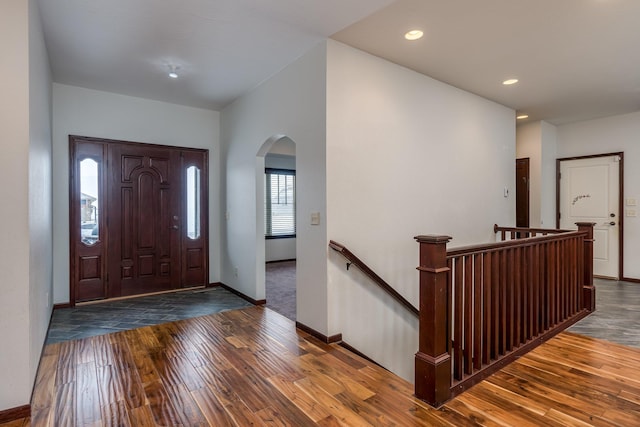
<point x="193" y="202"/>
<point x="89" y="202"/>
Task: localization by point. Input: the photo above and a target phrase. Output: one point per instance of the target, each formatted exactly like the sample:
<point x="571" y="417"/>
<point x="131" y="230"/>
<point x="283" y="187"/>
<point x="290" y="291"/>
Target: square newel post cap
<point x="585" y="224"/>
<point x="433" y="238"/>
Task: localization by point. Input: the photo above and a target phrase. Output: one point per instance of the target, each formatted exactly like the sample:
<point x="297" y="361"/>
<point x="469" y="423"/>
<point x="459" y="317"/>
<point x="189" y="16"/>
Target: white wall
<point x="79" y="111"/>
<point x="25" y="212"/>
<point x="537" y="141"/>
<point x="609" y="135"/>
<point x="14" y="218"/>
<point x="548" y="157"/>
<point x="40" y="189"/>
<point x="280" y="249"/>
<point x="528" y="144"/>
<point x="291" y="103"/>
<point x="406" y="155"/>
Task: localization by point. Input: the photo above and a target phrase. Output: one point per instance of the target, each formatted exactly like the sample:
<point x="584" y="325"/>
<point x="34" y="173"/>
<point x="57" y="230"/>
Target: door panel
<point x="151" y="234"/>
<point x="194" y="228"/>
<point x="144" y="251"/>
<point x="589" y="192"/>
<point x="86" y="221"/>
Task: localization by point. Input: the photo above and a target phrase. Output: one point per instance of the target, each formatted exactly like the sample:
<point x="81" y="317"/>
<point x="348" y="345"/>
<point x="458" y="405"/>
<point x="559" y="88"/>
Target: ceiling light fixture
<point x="522" y="116"/>
<point x="173" y="71"/>
<point x="413" y="35"/>
<point x="510" y="82"/>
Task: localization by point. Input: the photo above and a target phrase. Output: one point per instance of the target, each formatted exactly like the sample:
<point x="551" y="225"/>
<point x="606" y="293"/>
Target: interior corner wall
<point x="609" y="135"/>
<point x="406" y="155"/>
<point x="548" y="155"/>
<point x="537" y="141"/>
<point x="40" y="190"/>
<point x="15" y="382"/>
<point x="291" y="103"/>
<point x="86" y="112"/>
<point x="528" y="145"/>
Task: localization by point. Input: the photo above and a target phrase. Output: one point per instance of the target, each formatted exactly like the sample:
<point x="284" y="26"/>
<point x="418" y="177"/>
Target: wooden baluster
<point x="489" y="314"/>
<point x="433" y="362"/>
<point x="589" y="292"/>
<point x="503" y="320"/>
<point x="495" y="304"/>
<point x="478" y="313"/>
<point x="467" y="310"/>
<point x="458" y="316"/>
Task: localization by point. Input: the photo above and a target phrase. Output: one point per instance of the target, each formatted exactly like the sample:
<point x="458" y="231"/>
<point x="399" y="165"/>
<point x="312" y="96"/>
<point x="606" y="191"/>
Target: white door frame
<point x="620" y="220"/>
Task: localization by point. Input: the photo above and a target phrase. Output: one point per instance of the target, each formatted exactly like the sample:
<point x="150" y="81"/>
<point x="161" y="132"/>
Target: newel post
<point x="589" y="291"/>
<point x="433" y="362"/>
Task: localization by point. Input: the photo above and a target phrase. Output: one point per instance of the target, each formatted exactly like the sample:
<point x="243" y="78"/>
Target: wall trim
<point x="325" y="339"/>
<point x="240" y="294"/>
<point x="629" y="279"/>
<point x="62" y="305"/>
<point x="16" y="413"/>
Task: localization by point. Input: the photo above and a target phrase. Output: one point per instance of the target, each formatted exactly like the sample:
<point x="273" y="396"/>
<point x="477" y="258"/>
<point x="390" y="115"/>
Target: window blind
<point x="280" y="203"/>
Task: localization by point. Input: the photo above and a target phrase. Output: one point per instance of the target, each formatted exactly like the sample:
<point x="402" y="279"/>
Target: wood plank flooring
<point x="251" y="367"/>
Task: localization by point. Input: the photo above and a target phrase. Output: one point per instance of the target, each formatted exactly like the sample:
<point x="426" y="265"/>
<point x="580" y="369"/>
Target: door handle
<point x="612" y="223"/>
<point x="173" y="227"/>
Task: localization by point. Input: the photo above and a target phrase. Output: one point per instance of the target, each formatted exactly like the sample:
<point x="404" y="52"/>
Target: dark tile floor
<point x="617" y="315"/>
<point x="103" y="318"/>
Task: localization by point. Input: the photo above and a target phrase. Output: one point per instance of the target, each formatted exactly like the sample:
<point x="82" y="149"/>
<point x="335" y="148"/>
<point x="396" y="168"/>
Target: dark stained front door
<point x="147" y="215"/>
<point x="144" y="201"/>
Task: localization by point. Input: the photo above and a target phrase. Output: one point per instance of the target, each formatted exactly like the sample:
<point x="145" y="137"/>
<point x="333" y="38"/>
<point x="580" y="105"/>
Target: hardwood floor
<point x="252" y="367"/>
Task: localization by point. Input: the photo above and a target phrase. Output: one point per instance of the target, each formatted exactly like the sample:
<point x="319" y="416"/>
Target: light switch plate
<point x="631" y="202"/>
<point x="315" y="218"/>
<point x="630" y="212"/>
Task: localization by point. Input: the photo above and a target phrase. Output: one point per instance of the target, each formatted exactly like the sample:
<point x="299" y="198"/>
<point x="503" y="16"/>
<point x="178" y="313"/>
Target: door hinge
<point x="559" y="175"/>
<point x="559" y="215"/>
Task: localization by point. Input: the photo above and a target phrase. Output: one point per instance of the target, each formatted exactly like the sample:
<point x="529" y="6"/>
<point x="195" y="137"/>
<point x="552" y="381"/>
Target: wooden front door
<point x="143" y="221"/>
<point x="148" y="222"/>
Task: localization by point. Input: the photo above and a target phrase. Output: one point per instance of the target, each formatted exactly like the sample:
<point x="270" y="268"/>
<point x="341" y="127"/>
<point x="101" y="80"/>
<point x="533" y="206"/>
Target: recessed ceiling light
<point x="510" y="82"/>
<point x="173" y="71"/>
<point x="413" y="35"/>
<point x="522" y="116"/>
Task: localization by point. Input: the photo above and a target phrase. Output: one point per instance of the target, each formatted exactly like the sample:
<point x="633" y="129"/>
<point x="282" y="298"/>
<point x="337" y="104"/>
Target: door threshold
<point x="171" y="291"/>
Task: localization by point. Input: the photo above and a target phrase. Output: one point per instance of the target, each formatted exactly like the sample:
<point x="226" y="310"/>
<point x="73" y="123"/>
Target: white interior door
<point x="589" y="192"/>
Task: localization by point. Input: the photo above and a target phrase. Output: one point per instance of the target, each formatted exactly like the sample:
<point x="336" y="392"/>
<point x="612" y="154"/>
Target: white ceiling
<point x="224" y="48"/>
<point x="575" y="59"/>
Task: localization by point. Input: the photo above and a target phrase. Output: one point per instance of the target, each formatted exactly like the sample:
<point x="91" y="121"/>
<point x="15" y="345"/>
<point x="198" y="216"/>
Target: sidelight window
<point x="89" y="202"/>
<point x="280" y="203"/>
<point x="193" y="202"/>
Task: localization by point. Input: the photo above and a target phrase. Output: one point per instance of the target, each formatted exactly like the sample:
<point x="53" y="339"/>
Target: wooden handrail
<point x="354" y="260"/>
<point x="483" y="306"/>
<point x="487" y="247"/>
<point x="521" y="232"/>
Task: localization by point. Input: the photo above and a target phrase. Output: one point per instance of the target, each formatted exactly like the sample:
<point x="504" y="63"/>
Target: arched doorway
<point x="276" y="219"/>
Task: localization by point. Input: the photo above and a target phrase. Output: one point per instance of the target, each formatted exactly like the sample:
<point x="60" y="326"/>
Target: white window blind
<point x="280" y="203"/>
